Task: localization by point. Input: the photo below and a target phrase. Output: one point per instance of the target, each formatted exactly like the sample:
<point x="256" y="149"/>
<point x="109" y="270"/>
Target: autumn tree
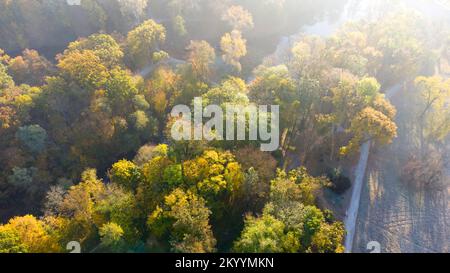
<point x="404" y="53"/>
<point x="350" y="49"/>
<point x="30" y="68"/>
<point x="95" y="106"/>
<point x="432" y="96"/>
<point x="148" y="152"/>
<point x="85" y="211"/>
<point x="364" y="111"/>
<point x="133" y="10"/>
<point x="102" y="45"/>
<point x="260" y="169"/>
<point x="152" y="187"/>
<point x="238" y="18"/>
<point x="370" y="124"/>
<point x="79" y="206"/>
<point x="4" y="58"/>
<point x="10" y="241"/>
<point x="297" y="185"/>
<point x="424" y="171"/>
<point x="216" y="176"/>
<point x="328" y="239"/>
<point x="351" y="95"/>
<point x="183" y="220"/>
<point x="309" y="65"/>
<point x="184" y="149"/>
<point x="26" y="234"/>
<point x="111" y="237"/>
<point x="163" y="92"/>
<point x="201" y="57"/>
<point x="84" y="68"/>
<point x="125" y="174"/>
<point x="142" y="42"/>
<point x="234" y="47"/>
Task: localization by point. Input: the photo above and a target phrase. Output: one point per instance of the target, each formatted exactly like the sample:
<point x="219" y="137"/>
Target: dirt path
<point x="360" y="173"/>
<point x="400" y="219"/>
<point x="352" y="212"/>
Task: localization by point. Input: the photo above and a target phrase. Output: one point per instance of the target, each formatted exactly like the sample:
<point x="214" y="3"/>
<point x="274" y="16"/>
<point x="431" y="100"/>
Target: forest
<point x="86" y="94"/>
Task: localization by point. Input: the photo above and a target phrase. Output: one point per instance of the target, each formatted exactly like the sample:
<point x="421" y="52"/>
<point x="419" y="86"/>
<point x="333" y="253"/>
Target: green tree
<point x="5" y="79"/>
<point x="22" y="177"/>
<point x="265" y="235"/>
<point x="140" y="120"/>
<point x="179" y="25"/>
<point x="274" y="86"/>
<point x="120" y="207"/>
<point x="121" y="88"/>
<point x="313" y="221"/>
<point x="232" y="91"/>
<point x="34" y="137"/>
<point x="297" y="185"/>
<point x="173" y="175"/>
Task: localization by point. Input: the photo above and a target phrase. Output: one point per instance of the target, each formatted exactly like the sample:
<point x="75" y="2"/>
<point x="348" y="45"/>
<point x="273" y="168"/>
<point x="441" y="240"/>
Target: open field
<point x="400" y="219"/>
